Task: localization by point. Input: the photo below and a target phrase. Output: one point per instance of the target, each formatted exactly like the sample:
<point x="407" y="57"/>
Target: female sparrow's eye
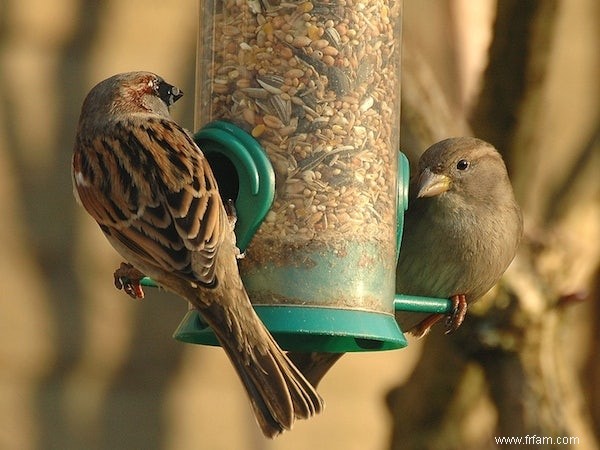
<point x="463" y="164"/>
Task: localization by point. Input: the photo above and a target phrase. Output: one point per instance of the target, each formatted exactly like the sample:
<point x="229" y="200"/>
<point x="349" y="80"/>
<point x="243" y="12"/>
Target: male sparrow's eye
<point x="463" y="164"/>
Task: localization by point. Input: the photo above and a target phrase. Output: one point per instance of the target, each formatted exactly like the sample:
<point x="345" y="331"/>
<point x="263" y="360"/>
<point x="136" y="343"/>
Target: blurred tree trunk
<point x="510" y="370"/>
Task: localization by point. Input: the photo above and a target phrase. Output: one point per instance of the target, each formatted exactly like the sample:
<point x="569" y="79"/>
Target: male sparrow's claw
<point x="128" y="279"/>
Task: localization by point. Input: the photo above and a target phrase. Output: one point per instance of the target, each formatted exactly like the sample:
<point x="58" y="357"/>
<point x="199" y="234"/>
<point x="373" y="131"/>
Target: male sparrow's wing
<point x="149" y="187"/>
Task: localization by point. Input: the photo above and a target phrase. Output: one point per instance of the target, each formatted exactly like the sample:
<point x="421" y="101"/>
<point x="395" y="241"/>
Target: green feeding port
<point x="243" y="172"/>
<point x="289" y="297"/>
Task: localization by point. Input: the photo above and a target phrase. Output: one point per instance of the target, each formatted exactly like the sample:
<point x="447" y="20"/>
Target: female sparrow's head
<point x="463" y="168"/>
<point x="131" y="92"/>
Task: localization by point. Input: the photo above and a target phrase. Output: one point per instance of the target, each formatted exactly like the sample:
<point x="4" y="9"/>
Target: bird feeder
<point x="298" y="106"/>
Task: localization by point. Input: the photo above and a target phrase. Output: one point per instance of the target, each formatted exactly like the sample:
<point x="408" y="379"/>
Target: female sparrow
<point x="147" y="184"/>
<point x="461" y="231"/>
<point x="462" y="228"/>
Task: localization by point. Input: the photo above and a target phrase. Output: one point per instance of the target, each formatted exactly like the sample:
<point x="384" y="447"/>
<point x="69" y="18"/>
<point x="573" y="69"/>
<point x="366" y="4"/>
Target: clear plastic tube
<point x="317" y="83"/>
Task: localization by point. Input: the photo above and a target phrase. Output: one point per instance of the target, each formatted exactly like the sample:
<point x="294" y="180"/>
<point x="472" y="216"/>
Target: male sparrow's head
<point x="131" y="92"/>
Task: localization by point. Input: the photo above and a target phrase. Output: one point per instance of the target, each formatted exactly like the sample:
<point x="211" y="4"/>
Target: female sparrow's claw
<point x="453" y="320"/>
<point x="459" y="310"/>
<point x="128" y="279"/>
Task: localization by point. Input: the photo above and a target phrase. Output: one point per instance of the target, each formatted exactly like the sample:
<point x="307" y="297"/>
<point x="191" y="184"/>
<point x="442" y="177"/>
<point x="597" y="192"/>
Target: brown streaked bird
<point x="461" y="231"/>
<point x="147" y="184"/>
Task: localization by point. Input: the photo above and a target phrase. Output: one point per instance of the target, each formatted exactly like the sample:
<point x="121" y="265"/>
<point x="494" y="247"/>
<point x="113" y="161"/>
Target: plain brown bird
<point x="461" y="232"/>
<point x="143" y="179"/>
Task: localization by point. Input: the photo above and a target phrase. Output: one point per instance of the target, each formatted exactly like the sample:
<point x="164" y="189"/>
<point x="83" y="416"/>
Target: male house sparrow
<point x="143" y="179"/>
<point x="461" y="231"/>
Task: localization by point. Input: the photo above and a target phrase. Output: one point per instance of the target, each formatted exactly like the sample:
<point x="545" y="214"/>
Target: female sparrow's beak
<point x="431" y="184"/>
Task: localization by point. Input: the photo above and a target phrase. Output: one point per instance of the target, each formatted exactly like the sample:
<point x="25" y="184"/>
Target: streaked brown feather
<point x="169" y="210"/>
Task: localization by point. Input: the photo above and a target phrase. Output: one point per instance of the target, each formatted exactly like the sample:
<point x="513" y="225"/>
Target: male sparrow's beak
<point x="169" y="93"/>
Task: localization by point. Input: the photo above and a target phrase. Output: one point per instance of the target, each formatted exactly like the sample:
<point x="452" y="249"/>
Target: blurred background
<point x="82" y="366"/>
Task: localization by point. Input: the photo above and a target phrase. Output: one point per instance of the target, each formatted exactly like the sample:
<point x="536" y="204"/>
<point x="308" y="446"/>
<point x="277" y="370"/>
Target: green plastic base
<point x="311" y="329"/>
